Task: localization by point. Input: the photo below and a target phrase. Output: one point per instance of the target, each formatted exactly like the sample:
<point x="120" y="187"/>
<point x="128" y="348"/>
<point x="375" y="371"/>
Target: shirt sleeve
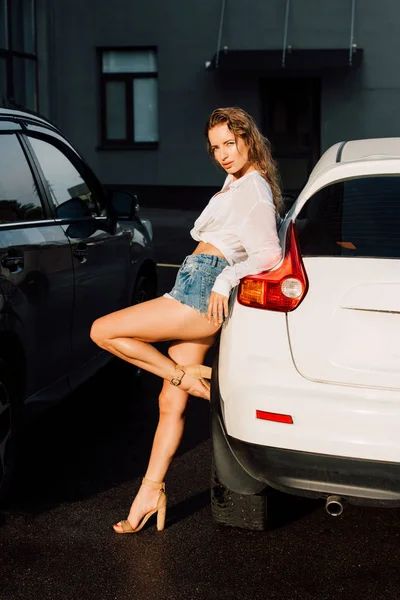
<point x="259" y="238"/>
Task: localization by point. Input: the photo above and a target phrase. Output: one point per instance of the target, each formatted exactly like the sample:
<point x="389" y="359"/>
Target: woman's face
<point x="230" y="153"/>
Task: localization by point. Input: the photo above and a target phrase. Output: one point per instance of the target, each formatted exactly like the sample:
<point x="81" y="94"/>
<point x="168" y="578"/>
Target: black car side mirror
<point x="74" y="208"/>
<point x="125" y="204"/>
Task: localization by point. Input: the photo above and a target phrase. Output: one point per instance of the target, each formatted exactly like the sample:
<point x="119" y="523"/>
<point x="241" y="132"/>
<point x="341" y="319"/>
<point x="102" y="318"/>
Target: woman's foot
<point x="145" y="501"/>
<point x="195" y="387"/>
<point x="191" y="379"/>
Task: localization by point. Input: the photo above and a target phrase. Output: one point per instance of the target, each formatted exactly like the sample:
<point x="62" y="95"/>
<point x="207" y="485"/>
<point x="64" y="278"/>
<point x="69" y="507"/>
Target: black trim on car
<point x="36" y="173"/>
<point x="340" y="152"/>
<point x="9" y="126"/>
<point x="26" y="117"/>
<point x="27" y="224"/>
<point x="360" y="481"/>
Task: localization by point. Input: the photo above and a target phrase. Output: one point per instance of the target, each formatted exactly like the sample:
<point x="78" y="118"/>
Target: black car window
<point x="69" y="191"/>
<point x="356" y="217"/>
<point x="19" y="196"/>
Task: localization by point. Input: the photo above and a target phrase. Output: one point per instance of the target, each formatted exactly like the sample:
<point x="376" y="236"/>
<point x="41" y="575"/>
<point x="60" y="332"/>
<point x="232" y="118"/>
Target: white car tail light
<point x="281" y="289"/>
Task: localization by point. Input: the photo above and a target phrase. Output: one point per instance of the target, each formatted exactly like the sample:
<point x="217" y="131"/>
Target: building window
<point x="18" y="57"/>
<point x="3" y="24"/>
<point x="129" y="97"/>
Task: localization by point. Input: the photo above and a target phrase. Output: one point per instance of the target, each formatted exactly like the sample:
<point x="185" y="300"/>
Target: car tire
<point x="9" y="419"/>
<point x="145" y="288"/>
<point x="238" y="510"/>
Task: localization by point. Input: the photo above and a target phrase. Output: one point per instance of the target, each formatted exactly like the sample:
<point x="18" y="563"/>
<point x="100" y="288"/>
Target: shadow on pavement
<point x="182" y="510"/>
<point x="95" y="440"/>
<point x="286" y="509"/>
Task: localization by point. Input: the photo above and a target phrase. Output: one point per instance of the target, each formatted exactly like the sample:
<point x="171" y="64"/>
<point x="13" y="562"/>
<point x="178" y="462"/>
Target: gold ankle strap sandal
<point x="179" y="373"/>
<point x="200" y="372"/>
<point x="154" y="484"/>
<point x="160" y="510"/>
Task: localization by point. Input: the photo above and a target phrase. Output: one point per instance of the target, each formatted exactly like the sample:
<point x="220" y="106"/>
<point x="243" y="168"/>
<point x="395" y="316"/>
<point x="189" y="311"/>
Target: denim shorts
<point x="195" y="280"/>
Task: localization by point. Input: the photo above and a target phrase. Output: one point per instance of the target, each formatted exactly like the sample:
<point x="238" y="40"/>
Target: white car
<point x="306" y="386"/>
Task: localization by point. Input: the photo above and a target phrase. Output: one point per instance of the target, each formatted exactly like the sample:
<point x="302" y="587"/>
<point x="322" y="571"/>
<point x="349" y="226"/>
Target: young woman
<point x="237" y="236"/>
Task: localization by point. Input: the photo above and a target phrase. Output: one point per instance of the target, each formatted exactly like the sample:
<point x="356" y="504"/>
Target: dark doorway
<point x="291" y="121"/>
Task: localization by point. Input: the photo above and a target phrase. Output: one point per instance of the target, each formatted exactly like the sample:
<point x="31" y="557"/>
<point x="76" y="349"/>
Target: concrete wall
<point x="366" y="104"/>
<point x="357" y="104"/>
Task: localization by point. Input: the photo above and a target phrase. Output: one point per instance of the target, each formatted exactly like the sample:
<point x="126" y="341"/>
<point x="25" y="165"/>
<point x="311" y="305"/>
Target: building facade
<point x="18" y="52"/>
<point x="132" y="84"/>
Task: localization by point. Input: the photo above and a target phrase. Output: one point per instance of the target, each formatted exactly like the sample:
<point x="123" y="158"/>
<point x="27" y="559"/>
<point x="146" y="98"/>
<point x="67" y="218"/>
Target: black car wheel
<point x="8" y="428"/>
<point x="145" y="288"/>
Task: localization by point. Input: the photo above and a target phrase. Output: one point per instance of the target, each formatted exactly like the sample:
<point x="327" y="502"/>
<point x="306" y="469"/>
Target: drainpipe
<point x="352" y="44"/>
<point x="221" y="22"/>
<point x="285" y="33"/>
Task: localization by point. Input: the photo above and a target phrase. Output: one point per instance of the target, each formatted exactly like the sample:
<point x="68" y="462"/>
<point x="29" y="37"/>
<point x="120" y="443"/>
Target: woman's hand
<point x="217" y="308"/>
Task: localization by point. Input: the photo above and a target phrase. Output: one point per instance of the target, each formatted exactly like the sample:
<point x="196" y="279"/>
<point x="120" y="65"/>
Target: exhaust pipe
<point x="334" y="506"/>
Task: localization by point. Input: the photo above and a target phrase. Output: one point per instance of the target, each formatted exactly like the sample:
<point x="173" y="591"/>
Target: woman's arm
<point x="259" y="238"/>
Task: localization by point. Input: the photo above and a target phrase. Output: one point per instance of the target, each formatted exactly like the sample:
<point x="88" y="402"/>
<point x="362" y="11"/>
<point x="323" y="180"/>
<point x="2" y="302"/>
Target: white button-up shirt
<point x="240" y="221"/>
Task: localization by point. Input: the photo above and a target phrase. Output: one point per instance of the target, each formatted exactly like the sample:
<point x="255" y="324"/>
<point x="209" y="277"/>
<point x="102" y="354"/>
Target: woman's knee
<point x="99" y="331"/>
<point x="172" y="402"/>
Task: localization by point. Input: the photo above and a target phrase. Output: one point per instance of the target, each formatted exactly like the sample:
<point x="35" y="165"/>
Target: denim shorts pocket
<point x="189" y="269"/>
<point x="185" y="275"/>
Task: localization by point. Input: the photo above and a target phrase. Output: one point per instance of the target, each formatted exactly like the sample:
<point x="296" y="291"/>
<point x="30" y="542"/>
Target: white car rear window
<point x="357" y="217"/>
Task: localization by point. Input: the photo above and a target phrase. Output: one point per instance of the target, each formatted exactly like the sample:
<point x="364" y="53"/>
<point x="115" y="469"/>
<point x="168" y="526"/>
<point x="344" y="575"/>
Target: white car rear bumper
<point x="338" y="420"/>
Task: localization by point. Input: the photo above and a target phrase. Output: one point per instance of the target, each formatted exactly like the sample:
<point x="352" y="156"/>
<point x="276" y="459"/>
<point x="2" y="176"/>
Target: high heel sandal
<point x="200" y="372"/>
<point x="161" y="510"/>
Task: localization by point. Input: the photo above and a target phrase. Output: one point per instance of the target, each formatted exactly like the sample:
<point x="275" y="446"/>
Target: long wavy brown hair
<point x="241" y="124"/>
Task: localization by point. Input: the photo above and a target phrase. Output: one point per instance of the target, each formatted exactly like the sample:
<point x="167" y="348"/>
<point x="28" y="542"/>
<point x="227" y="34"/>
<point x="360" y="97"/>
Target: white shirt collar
<point x="238" y="182"/>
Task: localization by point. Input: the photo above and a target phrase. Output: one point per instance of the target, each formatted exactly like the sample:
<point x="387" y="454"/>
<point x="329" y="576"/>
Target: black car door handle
<point x="81" y="252"/>
<point x="12" y="263"/>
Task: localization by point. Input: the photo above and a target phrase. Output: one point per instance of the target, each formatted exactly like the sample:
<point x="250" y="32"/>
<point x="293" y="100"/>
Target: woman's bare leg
<point x="129" y="333"/>
<point x="172" y="403"/>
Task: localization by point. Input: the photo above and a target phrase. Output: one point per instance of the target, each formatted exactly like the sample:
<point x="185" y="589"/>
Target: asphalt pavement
<point x="81" y="463"/>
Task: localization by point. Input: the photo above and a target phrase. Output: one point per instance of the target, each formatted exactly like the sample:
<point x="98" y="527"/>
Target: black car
<point x="69" y="253"/>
